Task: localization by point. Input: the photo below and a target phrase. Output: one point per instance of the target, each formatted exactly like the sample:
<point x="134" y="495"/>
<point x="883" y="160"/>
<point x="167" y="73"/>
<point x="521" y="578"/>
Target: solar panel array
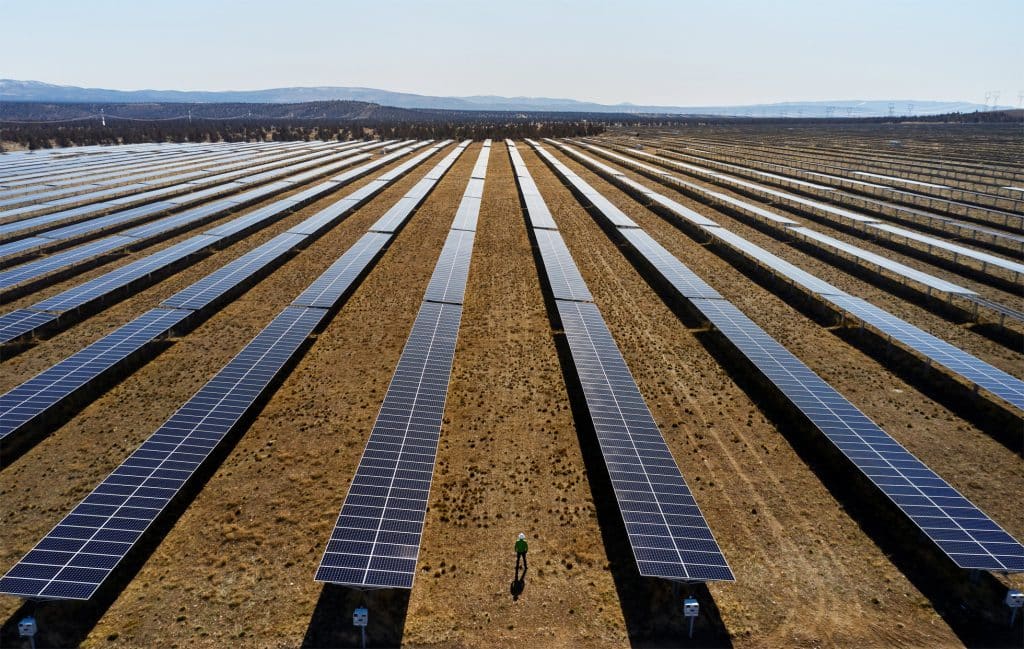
<point x="118" y="346"/>
<point x="74" y="559"/>
<point x="148" y="233"/>
<point x="668" y="533"/>
<point x="277" y="168"/>
<point x="52" y="386"/>
<point x="960" y="530"/>
<point x="867" y="222"/>
<point x="197" y="166"/>
<point x="394" y="217"/>
<point x="376" y="539"/>
<point x="13" y="326"/>
<point x="932" y="349"/>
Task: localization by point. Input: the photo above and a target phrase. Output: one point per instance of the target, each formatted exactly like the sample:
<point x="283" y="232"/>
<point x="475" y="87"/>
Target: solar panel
<point x="46" y="265"/>
<point x="684" y="280"/>
<point x="400" y="211"/>
<point x="215" y="285"/>
<point x="962" y="531"/>
<point x="339" y="278"/>
<point x="77" y="555"/>
<point x="79" y="296"/>
<point x="467" y="214"/>
<point x="668" y="533"/>
<point x="15" y="324"/>
<point x="953" y="358"/>
<point x="776" y="263"/>
<point x="448" y="282"/>
<point x="610" y="212"/>
<point x="893" y="266"/>
<point x="21" y="246"/>
<point x="561" y="271"/>
<point x="376" y="539"/>
<point x="955" y="249"/>
<point x="48" y="388"/>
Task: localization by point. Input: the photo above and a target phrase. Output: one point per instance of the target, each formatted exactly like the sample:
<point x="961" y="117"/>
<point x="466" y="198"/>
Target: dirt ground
<point x="236" y="567"/>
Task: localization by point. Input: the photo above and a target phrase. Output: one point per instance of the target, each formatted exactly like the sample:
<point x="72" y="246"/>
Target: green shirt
<point x="521" y="546"/>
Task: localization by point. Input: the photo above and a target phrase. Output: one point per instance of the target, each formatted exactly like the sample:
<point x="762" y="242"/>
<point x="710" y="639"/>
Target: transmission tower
<point x="995" y="99"/>
<point x="892" y="109"/>
<point x="910" y="108"/>
<point x="830" y="111"/>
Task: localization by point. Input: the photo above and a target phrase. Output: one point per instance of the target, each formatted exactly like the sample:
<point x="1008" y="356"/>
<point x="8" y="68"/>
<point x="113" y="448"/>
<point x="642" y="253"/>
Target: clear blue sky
<point x="692" y="52"/>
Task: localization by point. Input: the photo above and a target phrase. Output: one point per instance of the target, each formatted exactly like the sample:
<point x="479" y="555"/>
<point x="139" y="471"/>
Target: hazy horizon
<point x="700" y="53"/>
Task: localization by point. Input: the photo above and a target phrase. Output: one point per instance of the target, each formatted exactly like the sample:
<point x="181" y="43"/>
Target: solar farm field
<point x="776" y="373"/>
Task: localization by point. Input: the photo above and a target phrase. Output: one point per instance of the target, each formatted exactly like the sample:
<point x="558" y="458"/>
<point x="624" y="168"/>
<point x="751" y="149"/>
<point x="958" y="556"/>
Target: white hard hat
<point x="522" y="536"/>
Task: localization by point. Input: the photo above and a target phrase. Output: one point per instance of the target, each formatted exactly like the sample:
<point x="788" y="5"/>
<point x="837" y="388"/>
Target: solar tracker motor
<point x="27" y="628"/>
<point x="1015" y="600"/>
<point x="691" y="609"/>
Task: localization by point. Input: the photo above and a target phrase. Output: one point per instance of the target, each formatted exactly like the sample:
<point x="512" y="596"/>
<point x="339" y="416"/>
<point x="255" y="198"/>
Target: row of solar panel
<point x="178" y="194"/>
<point x="960" y="530"/>
<point x="157" y="170"/>
<point x="871" y="194"/>
<point x="668" y="533"/>
<point x="15" y="325"/>
<point x="77" y="556"/>
<point x="376" y="539"/>
<point x="26" y="404"/>
<point x="955" y="360"/>
<point x="788" y="224"/>
<point x="140" y="236"/>
<point x="43" y="169"/>
<point x="128" y="180"/>
<point x="985" y="259"/>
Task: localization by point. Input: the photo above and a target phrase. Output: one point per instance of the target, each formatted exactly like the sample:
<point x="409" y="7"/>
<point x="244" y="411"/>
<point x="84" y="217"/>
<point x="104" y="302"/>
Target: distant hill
<point x="36" y="91"/>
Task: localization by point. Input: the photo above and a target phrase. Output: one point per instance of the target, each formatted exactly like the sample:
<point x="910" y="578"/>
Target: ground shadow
<point x="331" y="624"/>
<point x="518" y="584"/>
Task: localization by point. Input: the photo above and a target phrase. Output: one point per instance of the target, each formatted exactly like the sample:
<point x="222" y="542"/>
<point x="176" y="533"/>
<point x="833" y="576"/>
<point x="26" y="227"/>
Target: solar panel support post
<point x="360" y="618"/>
<point x="691" y="609"/>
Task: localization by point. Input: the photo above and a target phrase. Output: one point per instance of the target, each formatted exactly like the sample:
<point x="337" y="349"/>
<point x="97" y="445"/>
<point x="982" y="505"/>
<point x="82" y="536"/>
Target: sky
<point x="681" y="52"/>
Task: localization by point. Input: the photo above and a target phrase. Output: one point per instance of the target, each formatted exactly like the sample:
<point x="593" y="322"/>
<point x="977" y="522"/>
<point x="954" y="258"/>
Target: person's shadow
<point x="518" y="584"/>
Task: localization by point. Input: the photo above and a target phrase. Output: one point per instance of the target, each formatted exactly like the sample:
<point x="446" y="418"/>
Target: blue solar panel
<point x="20" y="322"/>
<point x="338" y="279"/>
<point x="119" y="278"/>
<point x="48" y="388"/>
<point x="230" y="276"/>
<point x="448" y="283"/>
<point x="960" y="529"/>
<point x="77" y="555"/>
<point x="376" y="539"/>
<point x="684" y="280"/>
<point x="668" y="533"/>
<point x="393" y="219"/>
<point x="41" y="267"/>
<point x="21" y="246"/>
<point x="562" y="274"/>
<point x="952" y="358"/>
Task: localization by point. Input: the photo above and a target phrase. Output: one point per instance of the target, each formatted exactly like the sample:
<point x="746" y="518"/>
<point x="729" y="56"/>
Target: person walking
<point x="521" y="548"/>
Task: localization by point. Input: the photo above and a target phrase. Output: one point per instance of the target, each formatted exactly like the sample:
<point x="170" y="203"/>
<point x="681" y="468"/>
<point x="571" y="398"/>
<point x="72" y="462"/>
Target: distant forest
<point x="44" y="125"/>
